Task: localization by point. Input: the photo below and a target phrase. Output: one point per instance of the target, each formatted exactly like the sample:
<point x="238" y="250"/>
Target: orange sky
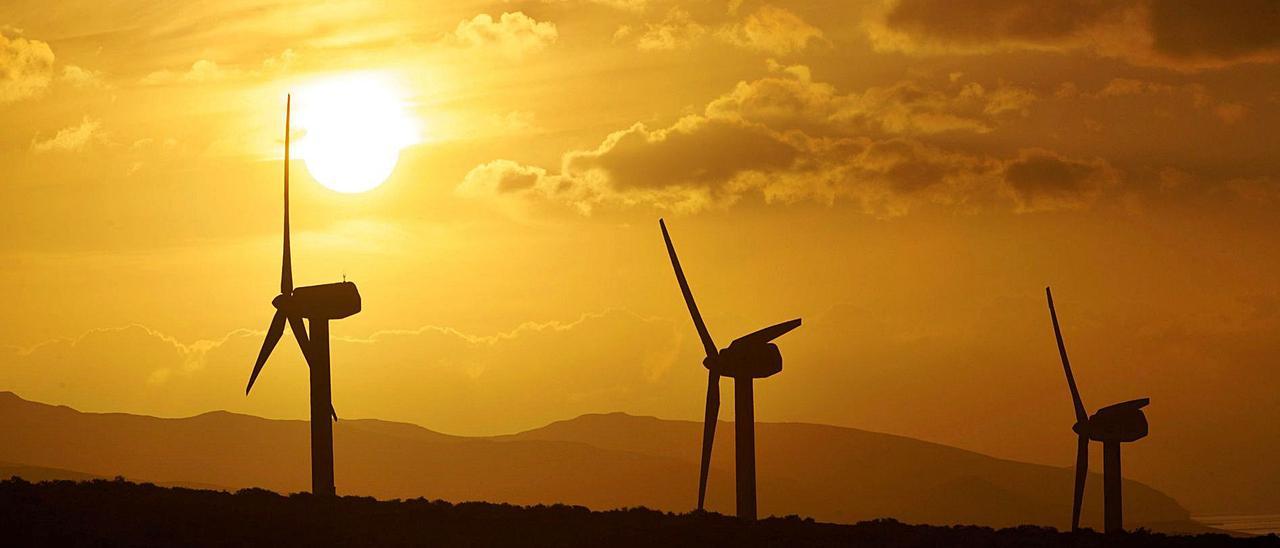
<point x="905" y="176"/>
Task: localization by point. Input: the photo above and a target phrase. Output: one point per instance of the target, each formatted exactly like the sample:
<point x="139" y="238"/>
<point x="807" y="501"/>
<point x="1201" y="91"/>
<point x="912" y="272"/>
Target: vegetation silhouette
<point x="317" y="304"/>
<point x="747" y="358"/>
<point x="105" y="512"/>
<point x="1111" y="425"/>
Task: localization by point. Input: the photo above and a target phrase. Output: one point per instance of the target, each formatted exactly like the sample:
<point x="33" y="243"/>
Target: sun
<point x="353" y="128"/>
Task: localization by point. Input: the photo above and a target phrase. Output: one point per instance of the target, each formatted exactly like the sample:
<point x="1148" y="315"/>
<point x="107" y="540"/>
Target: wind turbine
<point x="317" y="304"/>
<point x="1111" y="425"/>
<point x="747" y="358"/>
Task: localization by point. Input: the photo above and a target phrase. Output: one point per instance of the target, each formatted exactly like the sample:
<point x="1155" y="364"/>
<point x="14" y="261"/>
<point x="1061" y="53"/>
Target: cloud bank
<point x="1178" y="34"/>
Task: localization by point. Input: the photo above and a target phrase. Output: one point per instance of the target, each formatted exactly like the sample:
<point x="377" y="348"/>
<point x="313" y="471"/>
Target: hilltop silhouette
<point x="598" y="461"/>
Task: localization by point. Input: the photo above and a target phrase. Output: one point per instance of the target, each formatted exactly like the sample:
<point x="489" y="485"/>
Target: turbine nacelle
<point x="755" y="361"/>
<point x="752" y="356"/>
<point x="1122" y="422"/>
<point x="321" y="302"/>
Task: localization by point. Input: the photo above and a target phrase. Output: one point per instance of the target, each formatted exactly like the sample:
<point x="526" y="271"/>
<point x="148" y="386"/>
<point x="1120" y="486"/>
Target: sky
<point x="906" y="176"/>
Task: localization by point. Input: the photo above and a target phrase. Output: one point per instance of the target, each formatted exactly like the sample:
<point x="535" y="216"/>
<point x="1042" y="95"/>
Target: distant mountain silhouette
<point x="599" y="461"/>
<point x="42" y="473"/>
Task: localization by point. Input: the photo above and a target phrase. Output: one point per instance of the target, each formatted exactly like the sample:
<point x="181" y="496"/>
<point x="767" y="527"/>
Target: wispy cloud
<point x="70" y="139"/>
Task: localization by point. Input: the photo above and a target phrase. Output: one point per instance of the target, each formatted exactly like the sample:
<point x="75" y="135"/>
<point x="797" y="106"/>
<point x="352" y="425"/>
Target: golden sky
<point x="906" y="176"/>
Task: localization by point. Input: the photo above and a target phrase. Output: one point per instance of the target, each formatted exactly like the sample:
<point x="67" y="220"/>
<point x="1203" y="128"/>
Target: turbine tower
<point x="317" y="304"/>
<point x="746" y="359"/>
<point x="1111" y="425"/>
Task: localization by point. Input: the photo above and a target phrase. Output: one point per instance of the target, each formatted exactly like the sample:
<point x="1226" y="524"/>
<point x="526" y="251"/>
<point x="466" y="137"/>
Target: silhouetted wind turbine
<point x="318" y="304"/>
<point x="746" y="359"/>
<point x="1111" y="425"/>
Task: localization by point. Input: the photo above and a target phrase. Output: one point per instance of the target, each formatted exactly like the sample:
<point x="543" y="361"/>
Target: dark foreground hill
<point x="108" y="513"/>
<point x="598" y="461"/>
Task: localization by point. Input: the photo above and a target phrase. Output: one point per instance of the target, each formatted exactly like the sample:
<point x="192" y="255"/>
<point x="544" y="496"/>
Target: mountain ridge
<point x="600" y="460"/>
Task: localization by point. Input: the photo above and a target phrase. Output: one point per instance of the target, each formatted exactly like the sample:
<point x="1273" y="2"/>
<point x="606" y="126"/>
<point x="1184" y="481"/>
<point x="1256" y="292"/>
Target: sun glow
<point x="352" y="128"/>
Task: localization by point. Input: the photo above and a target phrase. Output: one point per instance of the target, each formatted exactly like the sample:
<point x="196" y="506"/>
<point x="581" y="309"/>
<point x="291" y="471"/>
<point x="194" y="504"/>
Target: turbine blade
<point x="286" y="268"/>
<point x="708" y="433"/>
<point x="300" y="333"/>
<point x="1081" y="415"/>
<point x="769" y="333"/>
<point x="273" y="336"/>
<point x="707" y="344"/>
<point x="1082" y="473"/>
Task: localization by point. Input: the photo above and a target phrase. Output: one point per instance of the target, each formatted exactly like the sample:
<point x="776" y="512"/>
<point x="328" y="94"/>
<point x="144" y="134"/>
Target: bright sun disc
<point x="353" y="129"/>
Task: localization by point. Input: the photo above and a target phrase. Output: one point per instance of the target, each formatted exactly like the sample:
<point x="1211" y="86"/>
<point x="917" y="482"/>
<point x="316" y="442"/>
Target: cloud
<point x="204" y="71"/>
<point x="692" y="165"/>
<point x="991" y="23"/>
<point x="515" y="121"/>
<point x="459" y="382"/>
<point x="694" y="151"/>
<point x="201" y="71"/>
<point x="1212" y="32"/>
<point x="26" y="68"/>
<point x="793" y="100"/>
<point x="787" y="138"/>
<point x="1179" y="34"/>
<point x="701" y="163"/>
<point x="1230" y="113"/>
<point x="81" y="77"/>
<point x="629" y="5"/>
<point x="1194" y="95"/>
<point x="281" y="62"/>
<point x="1119" y="87"/>
<point x="70" y="138"/>
<point x="513" y="34"/>
<point x="771" y="30"/>
<point x="1041" y="180"/>
<point x="676" y="31"/>
<point x="1263" y="190"/>
<point x="500" y="177"/>
<point x="625" y="5"/>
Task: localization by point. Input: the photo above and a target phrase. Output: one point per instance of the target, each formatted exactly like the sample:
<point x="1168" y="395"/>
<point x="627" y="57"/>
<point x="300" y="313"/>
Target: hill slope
<point x="599" y="461"/>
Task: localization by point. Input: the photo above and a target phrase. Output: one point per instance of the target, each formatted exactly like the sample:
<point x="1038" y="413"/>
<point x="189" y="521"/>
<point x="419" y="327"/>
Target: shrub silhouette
<point x="119" y="512"/>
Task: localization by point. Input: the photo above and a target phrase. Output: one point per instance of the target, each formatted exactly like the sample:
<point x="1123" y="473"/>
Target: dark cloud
<point x="695" y="151"/>
<point x="1222" y="31"/>
<point x="986" y="21"/>
<point x="1180" y="34"/>
<point x="1042" y="180"/>
<point x="792" y="100"/>
<point x="908" y="166"/>
<point x="787" y="138"/>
